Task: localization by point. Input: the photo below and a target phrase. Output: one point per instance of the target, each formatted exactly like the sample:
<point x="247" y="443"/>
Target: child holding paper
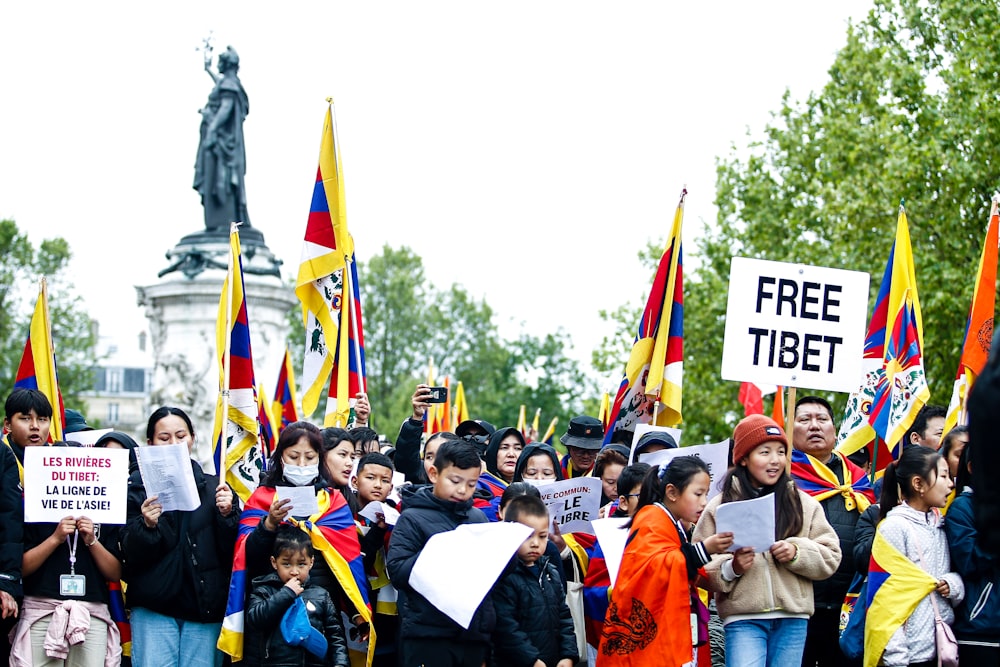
<point x="534" y="625"/>
<point x="765" y="599"/>
<point x="652" y="609"/>
<point x="290" y="620"/>
<point x="373" y="481"/>
<point x="427" y="635"/>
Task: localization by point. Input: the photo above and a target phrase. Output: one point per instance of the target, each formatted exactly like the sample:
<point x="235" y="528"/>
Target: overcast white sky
<point x="527" y="150"/>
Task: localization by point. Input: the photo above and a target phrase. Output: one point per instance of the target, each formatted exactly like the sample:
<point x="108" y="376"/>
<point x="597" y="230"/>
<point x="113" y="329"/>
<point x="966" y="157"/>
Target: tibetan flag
<point x="267" y="432"/>
<point x="813" y="477"/>
<point x="37" y="369"/>
<point x="320" y="283"/>
<point x="604" y="412"/>
<point x="778" y="408"/>
<point x="284" y="394"/>
<point x="334" y="535"/>
<point x="550" y="432"/>
<point x="348" y="377"/>
<point x="895" y="587"/>
<point x="752" y="399"/>
<point x="856" y="429"/>
<point x="239" y="427"/>
<point x="902" y="390"/>
<point x="116" y="609"/>
<point x="461" y="407"/>
<point x="654" y="372"/>
<point x="979" y="328"/>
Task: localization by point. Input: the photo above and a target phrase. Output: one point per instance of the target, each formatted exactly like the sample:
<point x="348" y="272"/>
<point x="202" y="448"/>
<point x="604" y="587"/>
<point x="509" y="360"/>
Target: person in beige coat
<point x="765" y="599"/>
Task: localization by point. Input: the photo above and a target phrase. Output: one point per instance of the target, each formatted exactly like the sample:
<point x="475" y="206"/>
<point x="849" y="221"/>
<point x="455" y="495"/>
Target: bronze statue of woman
<point x="220" y="167"/>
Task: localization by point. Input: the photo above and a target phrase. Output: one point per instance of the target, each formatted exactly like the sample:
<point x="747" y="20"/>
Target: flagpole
<point x="224" y="432"/>
<point x="362" y="380"/>
<point x="790" y="410"/>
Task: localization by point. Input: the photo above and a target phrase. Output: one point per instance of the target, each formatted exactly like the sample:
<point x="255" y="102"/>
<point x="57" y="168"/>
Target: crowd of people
<point x="257" y="582"/>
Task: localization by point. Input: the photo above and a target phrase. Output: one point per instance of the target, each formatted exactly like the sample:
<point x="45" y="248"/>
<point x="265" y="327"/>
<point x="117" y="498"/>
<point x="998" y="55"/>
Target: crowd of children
<point x="270" y="585"/>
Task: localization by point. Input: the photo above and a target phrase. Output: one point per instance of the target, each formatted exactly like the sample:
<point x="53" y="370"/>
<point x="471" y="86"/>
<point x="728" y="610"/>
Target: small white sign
<point x="166" y="473"/>
<point x="795" y="325"/>
<point x="612" y="536"/>
<point x="573" y="503"/>
<point x="75" y="481"/>
<point x="715" y="456"/>
<point x="750" y="521"/>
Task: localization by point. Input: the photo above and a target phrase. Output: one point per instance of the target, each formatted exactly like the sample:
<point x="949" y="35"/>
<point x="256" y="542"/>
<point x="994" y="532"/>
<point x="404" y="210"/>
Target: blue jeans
<point x="163" y="641"/>
<point x="771" y="642"/>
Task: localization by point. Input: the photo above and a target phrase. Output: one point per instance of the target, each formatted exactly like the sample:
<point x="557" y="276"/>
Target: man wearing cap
<point x="815" y="434"/>
<point x="583" y="439"/>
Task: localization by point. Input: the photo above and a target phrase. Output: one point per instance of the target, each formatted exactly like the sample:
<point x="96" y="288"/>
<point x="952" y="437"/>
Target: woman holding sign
<point x="328" y="520"/>
<point x="177" y="562"/>
<point x="765" y="599"/>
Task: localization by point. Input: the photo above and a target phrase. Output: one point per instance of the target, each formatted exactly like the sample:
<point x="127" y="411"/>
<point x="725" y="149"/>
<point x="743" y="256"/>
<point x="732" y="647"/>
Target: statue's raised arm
<point x="220" y="166"/>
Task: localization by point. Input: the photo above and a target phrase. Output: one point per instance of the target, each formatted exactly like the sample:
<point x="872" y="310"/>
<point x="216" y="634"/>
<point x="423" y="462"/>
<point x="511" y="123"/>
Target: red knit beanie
<point x="752" y="431"/>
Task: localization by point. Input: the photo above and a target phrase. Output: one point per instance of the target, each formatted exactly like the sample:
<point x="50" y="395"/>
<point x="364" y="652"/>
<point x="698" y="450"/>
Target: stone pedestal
<point x="182" y="309"/>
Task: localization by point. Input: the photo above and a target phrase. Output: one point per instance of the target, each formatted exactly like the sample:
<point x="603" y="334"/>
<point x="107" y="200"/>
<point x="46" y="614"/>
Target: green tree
<point x="909" y="113"/>
<point x="20" y="266"/>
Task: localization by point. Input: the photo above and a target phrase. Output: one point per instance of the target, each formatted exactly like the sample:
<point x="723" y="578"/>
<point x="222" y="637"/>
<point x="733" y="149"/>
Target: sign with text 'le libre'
<point x="795" y="325"/>
<point x="75" y="481"/>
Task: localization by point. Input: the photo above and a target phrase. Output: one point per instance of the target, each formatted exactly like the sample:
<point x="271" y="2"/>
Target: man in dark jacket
<point x="533" y="620"/>
<point x="427" y="635"/>
<point x="815" y="434"/>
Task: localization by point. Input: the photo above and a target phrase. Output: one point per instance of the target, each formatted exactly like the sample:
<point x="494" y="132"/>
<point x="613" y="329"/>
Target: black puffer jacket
<point x="264" y="645"/>
<point x="180" y="568"/>
<point x="829" y="594"/>
<point x="533" y="620"/>
<point x="424" y="515"/>
<point x="11" y="523"/>
<point x="407" y="458"/>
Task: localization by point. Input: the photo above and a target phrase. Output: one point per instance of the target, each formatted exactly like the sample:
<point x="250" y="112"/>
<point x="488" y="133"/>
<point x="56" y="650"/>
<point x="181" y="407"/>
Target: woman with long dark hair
<point x="177" y="563"/>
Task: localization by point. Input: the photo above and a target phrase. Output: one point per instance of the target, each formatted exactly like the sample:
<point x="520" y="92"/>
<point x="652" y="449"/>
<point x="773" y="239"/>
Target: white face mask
<point x="301" y="475"/>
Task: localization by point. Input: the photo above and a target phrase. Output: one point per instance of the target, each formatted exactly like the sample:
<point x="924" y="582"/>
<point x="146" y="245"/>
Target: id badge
<point x="72" y="585"/>
<point x="694" y="629"/>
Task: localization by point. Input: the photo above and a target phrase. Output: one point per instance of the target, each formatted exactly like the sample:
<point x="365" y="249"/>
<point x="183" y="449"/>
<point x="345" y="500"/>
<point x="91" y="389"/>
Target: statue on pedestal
<point x="221" y="164"/>
<point x="219" y="178"/>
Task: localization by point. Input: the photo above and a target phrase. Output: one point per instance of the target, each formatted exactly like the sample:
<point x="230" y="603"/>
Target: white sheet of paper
<point x="750" y="521"/>
<point x="87" y="438"/>
<point x="612" y="538"/>
<point x="303" y="499"/>
<point x="715" y="456"/>
<point x="398" y="481"/>
<point x="166" y="473"/>
<point x="374" y="508"/>
<point x="456" y="569"/>
<point x="574" y="503"/>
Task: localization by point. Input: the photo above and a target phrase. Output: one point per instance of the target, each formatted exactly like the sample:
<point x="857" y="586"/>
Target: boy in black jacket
<point x="534" y="625"/>
<point x="322" y="644"/>
<point x="427" y="635"/>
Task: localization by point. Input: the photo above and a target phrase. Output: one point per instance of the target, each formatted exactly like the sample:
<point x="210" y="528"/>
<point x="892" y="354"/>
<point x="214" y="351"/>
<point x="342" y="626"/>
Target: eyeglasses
<point x="630" y="495"/>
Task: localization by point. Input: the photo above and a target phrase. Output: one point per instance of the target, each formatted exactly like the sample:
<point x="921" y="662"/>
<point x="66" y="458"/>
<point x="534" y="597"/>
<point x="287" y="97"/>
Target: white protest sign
<point x="75" y="481"/>
<point x="795" y="325"/>
<point x="715" y="456"/>
<point x="573" y="503"/>
<point x="456" y="569"/>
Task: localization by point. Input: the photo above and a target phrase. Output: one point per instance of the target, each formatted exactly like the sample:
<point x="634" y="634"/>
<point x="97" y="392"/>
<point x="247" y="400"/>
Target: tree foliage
<point x="910" y="113"/>
<point x="21" y="264"/>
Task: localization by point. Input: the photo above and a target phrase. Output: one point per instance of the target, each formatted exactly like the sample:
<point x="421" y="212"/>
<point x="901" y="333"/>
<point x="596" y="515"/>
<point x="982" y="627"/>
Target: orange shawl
<point x="649" y="618"/>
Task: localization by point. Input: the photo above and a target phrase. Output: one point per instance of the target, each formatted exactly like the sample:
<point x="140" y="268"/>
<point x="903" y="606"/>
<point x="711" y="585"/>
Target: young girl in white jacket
<point x="913" y="490"/>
